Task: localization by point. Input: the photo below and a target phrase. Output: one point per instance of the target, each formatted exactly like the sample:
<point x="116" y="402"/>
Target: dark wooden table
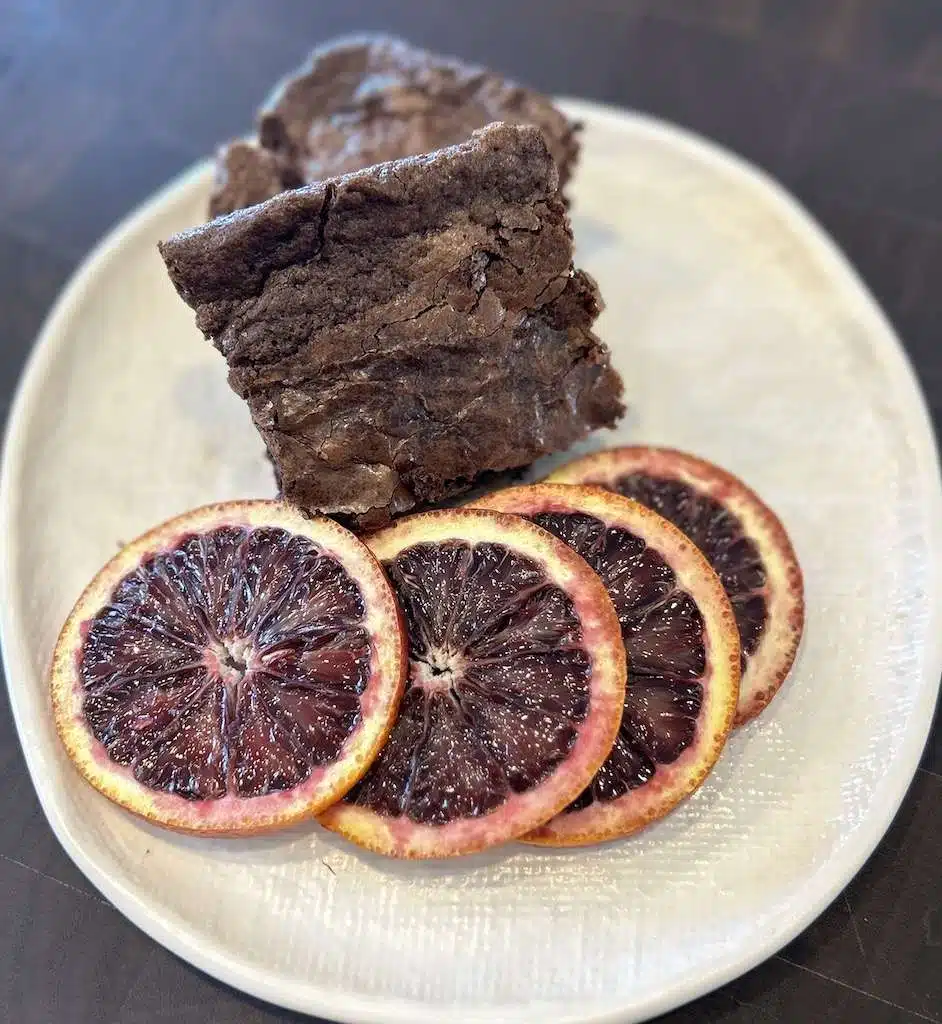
<point x="103" y="101"/>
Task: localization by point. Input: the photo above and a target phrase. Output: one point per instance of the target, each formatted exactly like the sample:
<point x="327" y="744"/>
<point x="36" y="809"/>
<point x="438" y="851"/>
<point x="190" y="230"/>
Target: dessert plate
<point x="742" y="335"/>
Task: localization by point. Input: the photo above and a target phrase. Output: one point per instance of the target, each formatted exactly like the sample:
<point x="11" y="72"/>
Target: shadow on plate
<point x="593" y="237"/>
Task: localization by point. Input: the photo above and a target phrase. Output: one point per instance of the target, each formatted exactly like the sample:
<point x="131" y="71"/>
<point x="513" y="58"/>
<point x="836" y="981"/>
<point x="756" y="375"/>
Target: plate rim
<point x="826" y="883"/>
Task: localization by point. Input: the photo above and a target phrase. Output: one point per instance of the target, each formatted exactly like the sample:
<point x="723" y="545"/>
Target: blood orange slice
<point x="516" y="685"/>
<point x="742" y="539"/>
<point x="683" y="657"/>
<point x="232" y="671"/>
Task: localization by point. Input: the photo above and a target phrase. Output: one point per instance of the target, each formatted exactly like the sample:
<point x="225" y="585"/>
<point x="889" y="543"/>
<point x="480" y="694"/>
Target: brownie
<point x="367" y="99"/>
<point x="400" y="330"/>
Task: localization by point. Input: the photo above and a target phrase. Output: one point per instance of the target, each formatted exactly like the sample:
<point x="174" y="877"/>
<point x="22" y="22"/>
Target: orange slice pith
<point x="232" y="671"/>
<point x="742" y="539"/>
<point x="683" y="657"/>
<point x="516" y="685"/>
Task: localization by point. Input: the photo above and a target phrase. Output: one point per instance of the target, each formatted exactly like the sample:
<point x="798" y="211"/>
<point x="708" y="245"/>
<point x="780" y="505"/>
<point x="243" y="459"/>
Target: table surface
<point x="102" y="101"/>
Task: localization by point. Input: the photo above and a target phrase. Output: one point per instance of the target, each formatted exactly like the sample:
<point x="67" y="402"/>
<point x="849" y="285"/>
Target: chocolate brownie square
<point x="400" y="330"/>
<point x="367" y="99"/>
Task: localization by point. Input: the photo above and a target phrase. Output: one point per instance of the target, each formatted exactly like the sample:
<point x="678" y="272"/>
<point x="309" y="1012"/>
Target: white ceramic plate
<point x="743" y="335"/>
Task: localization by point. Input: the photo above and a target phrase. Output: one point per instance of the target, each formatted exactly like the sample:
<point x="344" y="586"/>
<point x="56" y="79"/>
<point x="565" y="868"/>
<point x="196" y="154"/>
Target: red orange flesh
<point x="722" y="515"/>
<point x="516" y="666"/>
<point x="379" y="633"/>
<point x="683" y="658"/>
